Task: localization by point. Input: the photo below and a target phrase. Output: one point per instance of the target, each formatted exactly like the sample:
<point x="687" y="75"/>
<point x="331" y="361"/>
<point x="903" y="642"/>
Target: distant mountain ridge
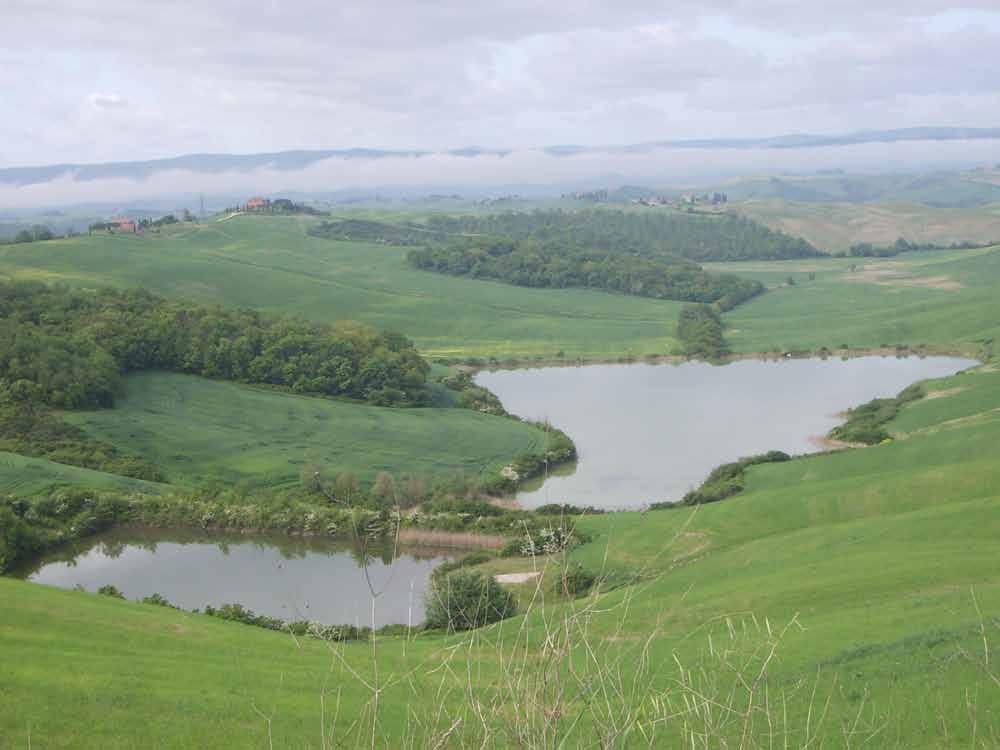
<point x="291" y="161"/>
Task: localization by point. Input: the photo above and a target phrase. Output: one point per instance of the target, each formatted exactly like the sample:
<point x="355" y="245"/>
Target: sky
<point x="116" y="80"/>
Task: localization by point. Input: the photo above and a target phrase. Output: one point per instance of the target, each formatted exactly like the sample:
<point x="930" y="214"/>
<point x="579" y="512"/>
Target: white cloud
<point x="107" y="101"/>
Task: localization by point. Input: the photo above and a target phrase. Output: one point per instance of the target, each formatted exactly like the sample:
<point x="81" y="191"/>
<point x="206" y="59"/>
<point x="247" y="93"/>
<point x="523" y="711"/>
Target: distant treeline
<point x="69" y="349"/>
<point x="281" y="206"/>
<point x="37" y="233"/>
<point x="381" y="232"/>
<point x="867" y="250"/>
<point x="552" y="264"/>
<point x="724" y="237"/>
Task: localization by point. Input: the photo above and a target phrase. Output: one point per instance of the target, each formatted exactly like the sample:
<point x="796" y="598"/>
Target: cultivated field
<point x="834" y="227"/>
<point x="201" y="430"/>
<point x="946" y="300"/>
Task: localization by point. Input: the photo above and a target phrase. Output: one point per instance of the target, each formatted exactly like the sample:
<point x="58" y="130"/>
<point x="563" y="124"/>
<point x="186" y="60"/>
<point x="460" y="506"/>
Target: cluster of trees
<point x="364" y="230"/>
<point x="282" y="207"/>
<point x="68" y="349"/>
<point x="37" y="233"/>
<point x="467" y="599"/>
<point x="699" y="329"/>
<point x="866" y="423"/>
<point x="727" y="480"/>
<point x="867" y="250"/>
<point x="723" y="237"/>
<point x="552" y="264"/>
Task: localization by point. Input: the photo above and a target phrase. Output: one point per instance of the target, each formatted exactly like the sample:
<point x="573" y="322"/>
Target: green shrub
<point x="110" y="590"/>
<point x="467" y="599"/>
<point x="574" y="580"/>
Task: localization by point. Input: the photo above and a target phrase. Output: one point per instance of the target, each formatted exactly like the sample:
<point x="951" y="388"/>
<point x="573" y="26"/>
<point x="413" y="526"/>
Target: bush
<point x="466" y="599"/>
<point x="110" y="590"/>
<point x="574" y="581"/>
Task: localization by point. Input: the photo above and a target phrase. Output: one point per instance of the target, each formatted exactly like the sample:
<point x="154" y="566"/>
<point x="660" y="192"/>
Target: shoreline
<point x="766" y="356"/>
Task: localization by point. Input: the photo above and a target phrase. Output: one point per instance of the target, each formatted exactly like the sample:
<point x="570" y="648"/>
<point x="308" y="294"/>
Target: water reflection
<point x="289" y="577"/>
<point x="648" y="433"/>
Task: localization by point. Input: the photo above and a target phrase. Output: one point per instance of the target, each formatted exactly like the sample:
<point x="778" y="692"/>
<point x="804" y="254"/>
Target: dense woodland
<point x="554" y="265"/>
<point x="69" y="349"/>
<point x="666" y="235"/>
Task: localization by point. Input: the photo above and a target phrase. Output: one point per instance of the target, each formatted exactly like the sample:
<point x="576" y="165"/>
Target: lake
<point x="651" y="432"/>
<point x="288" y="577"/>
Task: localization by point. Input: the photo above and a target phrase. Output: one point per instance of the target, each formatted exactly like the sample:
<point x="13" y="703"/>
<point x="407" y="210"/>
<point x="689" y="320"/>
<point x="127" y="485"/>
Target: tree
<point x="384" y="489"/>
<point x="467" y="599"/>
<point x="346" y="485"/>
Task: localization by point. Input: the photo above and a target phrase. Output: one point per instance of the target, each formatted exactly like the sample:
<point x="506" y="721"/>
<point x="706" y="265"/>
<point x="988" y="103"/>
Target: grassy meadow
<point x="201" y="430"/>
<point x="865" y="579"/>
<point x="270" y="263"/>
<point x="944" y="300"/>
<point x="27" y="476"/>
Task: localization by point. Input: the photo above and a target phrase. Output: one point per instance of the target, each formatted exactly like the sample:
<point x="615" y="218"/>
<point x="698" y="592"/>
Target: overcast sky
<point x="110" y="80"/>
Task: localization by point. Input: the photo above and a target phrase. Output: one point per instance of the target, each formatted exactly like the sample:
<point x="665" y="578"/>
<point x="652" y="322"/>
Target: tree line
<point x="553" y="264"/>
<point x="901" y="245"/>
<point x="667" y="235"/>
<point x="70" y="349"/>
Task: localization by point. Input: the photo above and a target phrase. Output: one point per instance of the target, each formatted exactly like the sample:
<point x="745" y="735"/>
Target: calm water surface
<point x="648" y="433"/>
<point x="291" y="578"/>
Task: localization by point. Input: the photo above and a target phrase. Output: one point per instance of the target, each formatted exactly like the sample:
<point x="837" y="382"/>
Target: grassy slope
<point x="875" y="551"/>
<point x="834" y="227"/>
<point x="843" y="307"/>
<point x="199" y="429"/>
<point x="24" y="475"/>
<point x="270" y="263"/>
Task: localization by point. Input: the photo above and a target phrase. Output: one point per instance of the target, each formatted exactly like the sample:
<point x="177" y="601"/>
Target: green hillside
<point x="834" y="227"/>
<point x="883" y="558"/>
<point x="199" y="430"/>
<point x="945" y="300"/>
<point x="271" y="264"/>
<point x="22" y="475"/>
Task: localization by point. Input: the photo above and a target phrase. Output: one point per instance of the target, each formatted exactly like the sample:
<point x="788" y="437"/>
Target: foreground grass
<point x="870" y="574"/>
<point x="201" y="430"/>
<point x="271" y="264"/>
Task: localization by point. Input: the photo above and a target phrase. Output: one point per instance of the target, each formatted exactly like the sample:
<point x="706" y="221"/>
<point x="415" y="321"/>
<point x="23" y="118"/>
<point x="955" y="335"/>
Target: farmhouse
<point x="122" y="224"/>
<point x="257" y="203"/>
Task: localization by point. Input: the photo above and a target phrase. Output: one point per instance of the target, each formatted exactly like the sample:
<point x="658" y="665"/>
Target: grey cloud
<point x="224" y="76"/>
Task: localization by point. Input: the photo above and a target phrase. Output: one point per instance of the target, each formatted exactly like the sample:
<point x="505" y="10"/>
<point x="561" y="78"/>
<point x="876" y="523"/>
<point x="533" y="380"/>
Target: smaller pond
<point x="648" y="433"/>
<point x="288" y="577"/>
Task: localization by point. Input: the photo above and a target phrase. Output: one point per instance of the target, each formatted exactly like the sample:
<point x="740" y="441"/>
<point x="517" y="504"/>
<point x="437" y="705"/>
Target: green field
<point x="946" y="300"/>
<point x="28" y="476"/>
<point x="885" y="558"/>
<point x="271" y="264"/>
<point x="200" y="430"/>
<point x="941" y="299"/>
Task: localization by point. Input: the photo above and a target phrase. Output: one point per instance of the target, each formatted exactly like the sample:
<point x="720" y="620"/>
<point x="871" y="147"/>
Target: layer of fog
<point x="534" y="169"/>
